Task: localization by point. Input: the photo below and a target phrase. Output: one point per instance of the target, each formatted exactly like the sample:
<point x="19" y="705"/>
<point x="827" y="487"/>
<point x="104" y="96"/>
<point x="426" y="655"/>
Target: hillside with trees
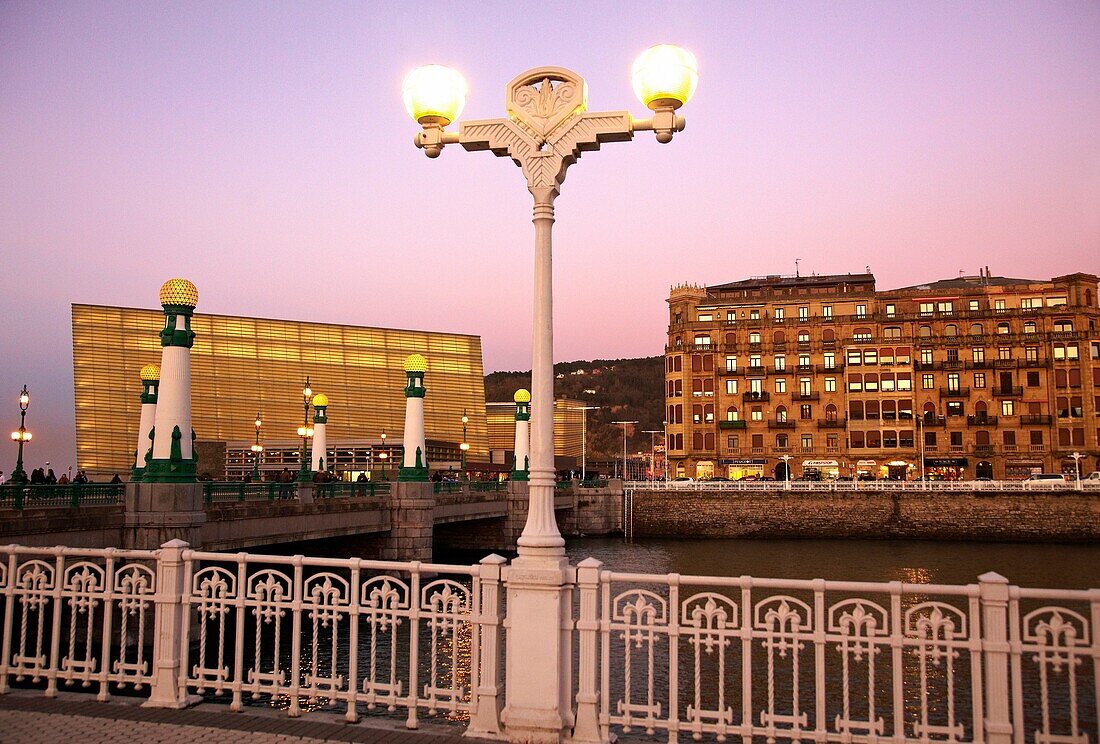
<point x="625" y="390"/>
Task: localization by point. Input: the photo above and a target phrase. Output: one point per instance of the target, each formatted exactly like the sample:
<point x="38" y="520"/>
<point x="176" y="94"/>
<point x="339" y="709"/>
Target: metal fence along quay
<point x="665" y="655"/>
<point x="857" y="485"/>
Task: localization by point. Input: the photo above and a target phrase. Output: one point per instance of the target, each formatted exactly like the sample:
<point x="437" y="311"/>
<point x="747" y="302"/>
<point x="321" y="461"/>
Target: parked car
<point x="1045" y="477"/>
<point x="1093" y="476"/>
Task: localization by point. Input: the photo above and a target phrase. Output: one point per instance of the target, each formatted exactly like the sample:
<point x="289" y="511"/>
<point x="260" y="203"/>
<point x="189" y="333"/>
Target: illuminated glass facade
<point x="568" y="423"/>
<point x="241" y="366"/>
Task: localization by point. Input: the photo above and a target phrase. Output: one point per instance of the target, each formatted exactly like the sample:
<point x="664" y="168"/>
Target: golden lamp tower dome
<point x="416" y="363"/>
<point x="522" y="396"/>
<point x="179" y="292"/>
<point x="320" y="400"/>
<point x="150" y="372"/>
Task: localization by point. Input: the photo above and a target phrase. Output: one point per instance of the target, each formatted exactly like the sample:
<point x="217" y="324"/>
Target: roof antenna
<point x="867" y="269"/>
<point x="796" y="267"/>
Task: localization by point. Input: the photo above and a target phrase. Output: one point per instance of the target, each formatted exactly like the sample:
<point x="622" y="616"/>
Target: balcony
<point x="981" y="420"/>
<point x="739" y="424"/>
<point x="1037" y="448"/>
<point x="804" y="368"/>
<point x="756" y="369"/>
<point x="758" y="450"/>
<point x="755" y="346"/>
<point x="1009" y="447"/>
<point x="806" y="396"/>
<point x="752" y="396"/>
<point x="957" y="449"/>
<point x="953" y="364"/>
<point x="1036" y="419"/>
<point x="837" y="423"/>
<point x="782" y="450"/>
<point x="834" y="368"/>
<point x="928" y="420"/>
<point x="953" y="392"/>
<point x="1005" y="364"/>
<point x="774" y="424"/>
<point x="1007" y="391"/>
<point x="983" y="450"/>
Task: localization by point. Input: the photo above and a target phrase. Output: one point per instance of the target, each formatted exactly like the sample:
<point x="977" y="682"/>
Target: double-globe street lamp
<point x="547" y="129"/>
<point x="584" y="438"/>
<point x="257" y="450"/>
<point x="22" y="436"/>
<point x="305" y="431"/>
<point x="624" y="425"/>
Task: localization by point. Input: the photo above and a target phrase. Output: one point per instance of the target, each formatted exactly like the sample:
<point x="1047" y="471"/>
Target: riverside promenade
<point x="29" y="718"/>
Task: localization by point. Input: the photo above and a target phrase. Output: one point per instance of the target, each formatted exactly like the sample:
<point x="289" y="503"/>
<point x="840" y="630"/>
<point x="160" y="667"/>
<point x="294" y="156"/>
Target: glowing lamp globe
<point x="150" y="372"/>
<point x="320" y="400"/>
<point x="665" y="76"/>
<point x="434" y="94"/>
<point x="522" y="396"/>
<point x="179" y="292"/>
<point x="416" y="363"/>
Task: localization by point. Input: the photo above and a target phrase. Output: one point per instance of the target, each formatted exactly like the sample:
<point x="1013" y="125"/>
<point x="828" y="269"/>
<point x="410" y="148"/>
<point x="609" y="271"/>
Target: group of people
<point x="44" y="477"/>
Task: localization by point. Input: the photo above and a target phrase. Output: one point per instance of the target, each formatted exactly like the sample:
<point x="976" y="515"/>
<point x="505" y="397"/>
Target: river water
<point x="1060" y="566"/>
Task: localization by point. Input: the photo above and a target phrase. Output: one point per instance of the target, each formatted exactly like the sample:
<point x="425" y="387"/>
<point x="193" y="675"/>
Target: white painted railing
<point x="855" y="485"/>
<point x="290" y="629"/>
<point x="706" y="656"/>
<point x="766" y="659"/>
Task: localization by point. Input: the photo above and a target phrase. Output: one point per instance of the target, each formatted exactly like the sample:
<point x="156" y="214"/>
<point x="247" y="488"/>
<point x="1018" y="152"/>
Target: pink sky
<point x="262" y="150"/>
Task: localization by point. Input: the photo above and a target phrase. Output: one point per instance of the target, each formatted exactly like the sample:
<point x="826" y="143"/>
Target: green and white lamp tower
<point x="414" y="462"/>
<point x="320" y="420"/>
<point x="174" y="459"/>
<point x="150" y="381"/>
<point x="521" y="466"/>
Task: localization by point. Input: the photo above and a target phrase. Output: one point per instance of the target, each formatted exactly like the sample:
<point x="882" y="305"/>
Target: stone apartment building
<point x="983" y="376"/>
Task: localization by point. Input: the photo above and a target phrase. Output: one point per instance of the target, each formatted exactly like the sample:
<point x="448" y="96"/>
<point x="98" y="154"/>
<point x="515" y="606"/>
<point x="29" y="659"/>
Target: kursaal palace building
<point x="984" y="376"/>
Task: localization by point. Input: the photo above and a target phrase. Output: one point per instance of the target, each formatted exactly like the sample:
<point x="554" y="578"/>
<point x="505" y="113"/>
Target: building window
<point x="780" y="361"/>
<point x="905" y="382"/>
<point x="803" y="360"/>
<point x="780" y="384"/>
<point x="870" y="356"/>
<point x="757" y="413"/>
<point x="861" y="334"/>
<point x="1029" y="327"/>
<point x="891" y="332"/>
<point x="1033" y="379"/>
<point x="1031" y="353"/>
<point x="1063" y="326"/>
<point x="925" y="356"/>
<point x="830" y="384"/>
<point x="976" y="329"/>
<point x="780" y="413"/>
<point x="1008" y="408"/>
<point x="830" y="360"/>
<point x="803" y="313"/>
<point x="778" y="315"/>
<point x="754" y="338"/>
<point x="705" y="317"/>
<point x="731" y="442"/>
<point x="731" y="387"/>
<point x="855" y="358"/>
<point x="890" y="310"/>
<point x="978" y="353"/>
<point x="926" y="309"/>
<point x="945" y="308"/>
<point x="953" y="382"/>
<point x="1004" y="352"/>
<point x="979" y="379"/>
<point x="928" y="382"/>
<point x="998" y="306"/>
<point x="803" y="337"/>
<point x="955" y="408"/>
<point x="805" y="412"/>
<point x="861" y="311"/>
<point x="754" y="315"/>
<point x="827" y="311"/>
<point x="755" y="361"/>
<point x="973" y="306"/>
<point x="804" y="386"/>
<point x="855" y="383"/>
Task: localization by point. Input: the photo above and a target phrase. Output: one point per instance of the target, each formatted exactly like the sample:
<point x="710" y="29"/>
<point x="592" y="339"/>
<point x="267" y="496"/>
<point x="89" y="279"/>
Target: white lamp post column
<point x="173" y="459"/>
<point x="521" y="464"/>
<point x="414" y="464"/>
<point x="547" y="129"/>
<point x="320" y="441"/>
<point x="150" y="381"/>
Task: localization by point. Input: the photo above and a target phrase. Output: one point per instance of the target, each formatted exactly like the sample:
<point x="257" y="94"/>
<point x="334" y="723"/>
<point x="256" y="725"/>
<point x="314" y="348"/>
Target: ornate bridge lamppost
<point x="22" y="436"/>
<point x="257" y="450"/>
<point x="547" y="129"/>
<point x="305" y="432"/>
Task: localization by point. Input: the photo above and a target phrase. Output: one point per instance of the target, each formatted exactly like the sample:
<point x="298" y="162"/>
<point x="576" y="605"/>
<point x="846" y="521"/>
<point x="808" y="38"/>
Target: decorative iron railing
<point x="284" y="630"/>
<point x="72" y="495"/>
<point x="837" y="661"/>
<point x="340" y="489"/>
<point x="857" y="485"/>
<point x="223" y="491"/>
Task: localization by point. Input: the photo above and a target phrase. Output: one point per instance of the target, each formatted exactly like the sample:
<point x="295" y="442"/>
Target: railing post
<point x="166" y="690"/>
<point x="18" y="505"/>
<point x="486" y="718"/>
<point x="74" y="497"/>
<point x="993" y="592"/>
<point x="587" y="728"/>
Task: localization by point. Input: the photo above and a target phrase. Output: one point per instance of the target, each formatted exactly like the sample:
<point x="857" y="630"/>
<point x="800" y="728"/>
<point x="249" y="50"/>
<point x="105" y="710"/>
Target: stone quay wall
<point x="1066" y="516"/>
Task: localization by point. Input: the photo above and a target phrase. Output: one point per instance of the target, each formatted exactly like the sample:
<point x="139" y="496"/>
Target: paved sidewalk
<point x="30" y="718"/>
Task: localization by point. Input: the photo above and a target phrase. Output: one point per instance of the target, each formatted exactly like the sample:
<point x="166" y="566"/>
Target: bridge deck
<point x="29" y="717"/>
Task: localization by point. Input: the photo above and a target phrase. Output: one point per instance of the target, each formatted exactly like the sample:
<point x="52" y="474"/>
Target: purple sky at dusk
<point x="262" y="150"/>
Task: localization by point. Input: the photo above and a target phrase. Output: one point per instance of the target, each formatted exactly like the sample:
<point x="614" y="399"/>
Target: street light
<point x="22" y="436"/>
<point x="547" y="129"/>
<point x="464" y="446"/>
<point x="624" y="423"/>
<point x="305" y="432"/>
<point x="257" y="448"/>
<point x="786" y="470"/>
<point x="1077" y="467"/>
<point x="653" y="451"/>
<point x="383" y="455"/>
<point x="584" y="437"/>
